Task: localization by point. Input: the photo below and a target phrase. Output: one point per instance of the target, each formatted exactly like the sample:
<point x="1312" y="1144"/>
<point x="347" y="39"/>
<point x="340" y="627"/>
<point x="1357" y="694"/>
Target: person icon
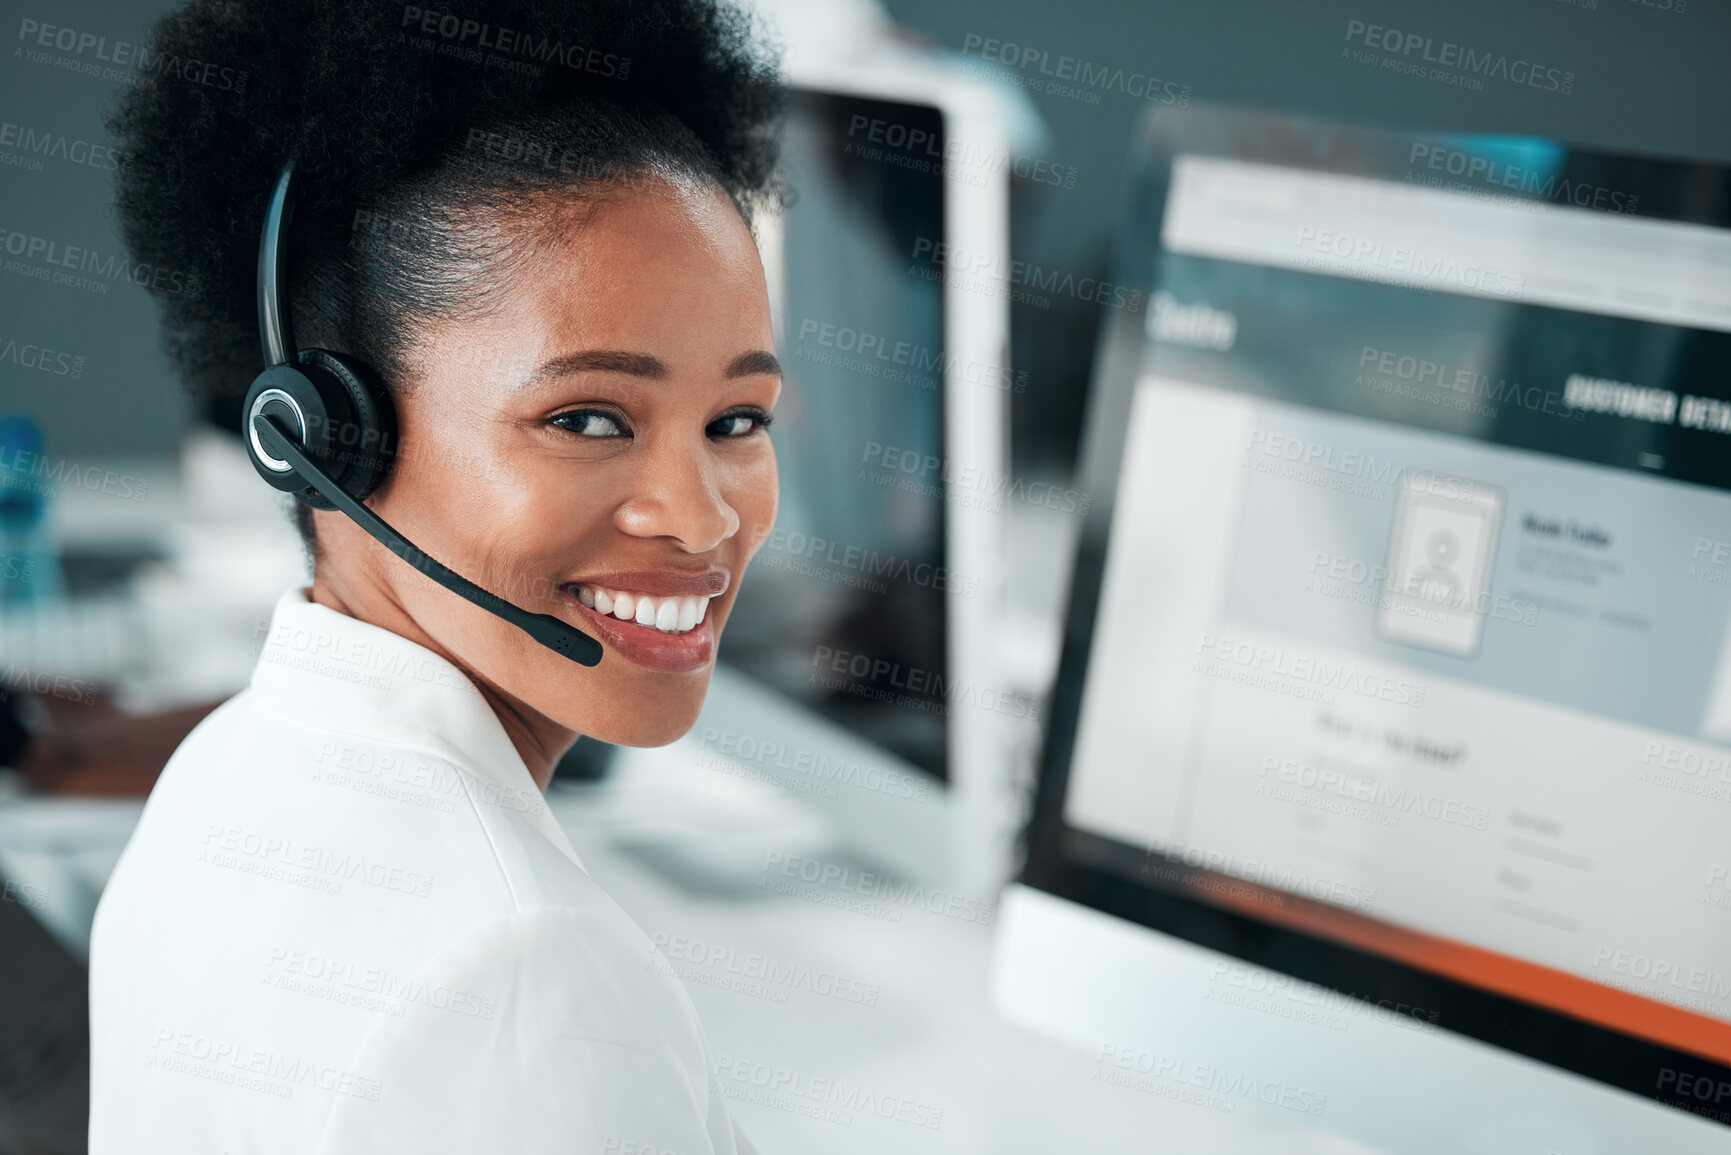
<point x="1437" y="581"/>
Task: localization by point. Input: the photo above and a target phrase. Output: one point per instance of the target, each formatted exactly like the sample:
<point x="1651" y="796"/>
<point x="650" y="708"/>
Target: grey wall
<point x="1647" y="79"/>
<point x="124" y="399"/>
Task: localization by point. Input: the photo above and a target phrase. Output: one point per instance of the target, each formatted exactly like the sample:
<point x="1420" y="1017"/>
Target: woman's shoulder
<point x="571" y="1033"/>
<point x="359" y="813"/>
<point x="558" y="972"/>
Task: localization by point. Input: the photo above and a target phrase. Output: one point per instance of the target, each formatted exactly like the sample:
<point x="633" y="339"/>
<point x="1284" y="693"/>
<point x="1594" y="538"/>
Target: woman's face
<point x="594" y="441"/>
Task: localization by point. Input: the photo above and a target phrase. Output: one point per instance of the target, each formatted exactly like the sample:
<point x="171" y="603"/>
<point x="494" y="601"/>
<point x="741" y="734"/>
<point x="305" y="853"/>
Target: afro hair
<point x="408" y="114"/>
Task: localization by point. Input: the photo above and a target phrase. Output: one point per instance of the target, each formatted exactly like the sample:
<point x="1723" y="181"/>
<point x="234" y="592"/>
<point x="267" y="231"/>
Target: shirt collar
<point x="334" y="672"/>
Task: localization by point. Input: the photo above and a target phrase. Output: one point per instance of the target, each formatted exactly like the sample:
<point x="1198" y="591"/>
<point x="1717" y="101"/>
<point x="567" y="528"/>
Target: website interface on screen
<point x="1416" y="609"/>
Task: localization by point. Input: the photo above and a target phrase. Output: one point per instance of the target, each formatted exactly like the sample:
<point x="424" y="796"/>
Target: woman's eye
<point x="603" y="425"/>
<point x="590" y="423"/>
<point x="738" y="424"/>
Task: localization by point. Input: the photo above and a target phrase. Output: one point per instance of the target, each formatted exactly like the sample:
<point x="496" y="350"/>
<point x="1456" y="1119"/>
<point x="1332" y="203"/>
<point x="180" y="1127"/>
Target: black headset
<point x="319" y="426"/>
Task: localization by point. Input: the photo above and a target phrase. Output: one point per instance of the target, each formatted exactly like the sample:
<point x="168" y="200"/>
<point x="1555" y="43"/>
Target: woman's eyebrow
<point x="641" y="365"/>
<point x="751" y="364"/>
<point x="598" y="361"/>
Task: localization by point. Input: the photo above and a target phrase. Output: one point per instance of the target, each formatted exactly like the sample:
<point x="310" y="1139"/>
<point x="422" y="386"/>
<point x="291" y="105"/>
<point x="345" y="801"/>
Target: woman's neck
<point x="539" y="741"/>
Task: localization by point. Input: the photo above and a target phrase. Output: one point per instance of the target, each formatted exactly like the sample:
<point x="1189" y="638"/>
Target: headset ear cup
<point x="299" y="402"/>
<point x="361" y="449"/>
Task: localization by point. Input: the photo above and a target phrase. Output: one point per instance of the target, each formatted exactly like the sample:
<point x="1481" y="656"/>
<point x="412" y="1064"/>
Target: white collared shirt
<point x="347" y="922"/>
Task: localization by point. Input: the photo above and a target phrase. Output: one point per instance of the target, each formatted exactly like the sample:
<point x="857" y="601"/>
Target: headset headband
<point x="274" y="329"/>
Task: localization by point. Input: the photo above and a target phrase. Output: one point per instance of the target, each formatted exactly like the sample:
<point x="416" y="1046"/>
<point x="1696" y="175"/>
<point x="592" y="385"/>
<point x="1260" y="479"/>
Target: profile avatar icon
<point x="1437" y="581"/>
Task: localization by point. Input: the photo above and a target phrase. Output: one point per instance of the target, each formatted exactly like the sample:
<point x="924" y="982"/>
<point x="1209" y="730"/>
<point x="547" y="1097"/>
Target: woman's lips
<point x="663" y="583"/>
<point x="648" y="646"/>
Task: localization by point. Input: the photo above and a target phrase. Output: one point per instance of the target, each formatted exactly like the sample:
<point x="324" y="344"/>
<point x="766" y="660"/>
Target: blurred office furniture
<point x="96" y="750"/>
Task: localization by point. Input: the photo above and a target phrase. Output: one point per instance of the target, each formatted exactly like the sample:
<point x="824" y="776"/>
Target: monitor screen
<point x="855" y="563"/>
<point x="1403" y="660"/>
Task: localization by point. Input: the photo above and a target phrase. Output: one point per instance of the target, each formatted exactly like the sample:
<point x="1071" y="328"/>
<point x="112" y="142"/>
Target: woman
<point x="347" y="921"/>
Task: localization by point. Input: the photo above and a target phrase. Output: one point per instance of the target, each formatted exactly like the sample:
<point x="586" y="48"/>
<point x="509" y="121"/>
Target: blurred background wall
<point x="1648" y="77"/>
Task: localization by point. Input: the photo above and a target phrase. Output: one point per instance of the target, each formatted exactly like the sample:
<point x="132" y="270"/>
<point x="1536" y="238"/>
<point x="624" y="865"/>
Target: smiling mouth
<point x="668" y="615"/>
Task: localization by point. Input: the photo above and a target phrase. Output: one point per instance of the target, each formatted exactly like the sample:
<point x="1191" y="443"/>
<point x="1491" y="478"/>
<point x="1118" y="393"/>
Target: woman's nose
<point x="679" y="494"/>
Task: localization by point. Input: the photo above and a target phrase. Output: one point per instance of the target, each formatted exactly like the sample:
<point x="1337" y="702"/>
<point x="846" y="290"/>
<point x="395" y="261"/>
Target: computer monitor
<point x="863" y="356"/>
<point x="852" y="671"/>
<point x="1387" y="782"/>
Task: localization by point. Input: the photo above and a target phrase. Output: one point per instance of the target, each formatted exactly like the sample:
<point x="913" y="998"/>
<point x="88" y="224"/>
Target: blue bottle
<point x="29" y="565"/>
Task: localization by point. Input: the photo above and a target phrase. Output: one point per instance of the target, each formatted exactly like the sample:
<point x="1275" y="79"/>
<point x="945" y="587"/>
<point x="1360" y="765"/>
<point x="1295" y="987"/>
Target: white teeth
<point x="675" y="615"/>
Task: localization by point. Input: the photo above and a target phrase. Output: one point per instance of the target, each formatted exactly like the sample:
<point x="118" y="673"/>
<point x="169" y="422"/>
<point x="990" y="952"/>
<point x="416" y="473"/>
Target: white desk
<point x="931" y="1038"/>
